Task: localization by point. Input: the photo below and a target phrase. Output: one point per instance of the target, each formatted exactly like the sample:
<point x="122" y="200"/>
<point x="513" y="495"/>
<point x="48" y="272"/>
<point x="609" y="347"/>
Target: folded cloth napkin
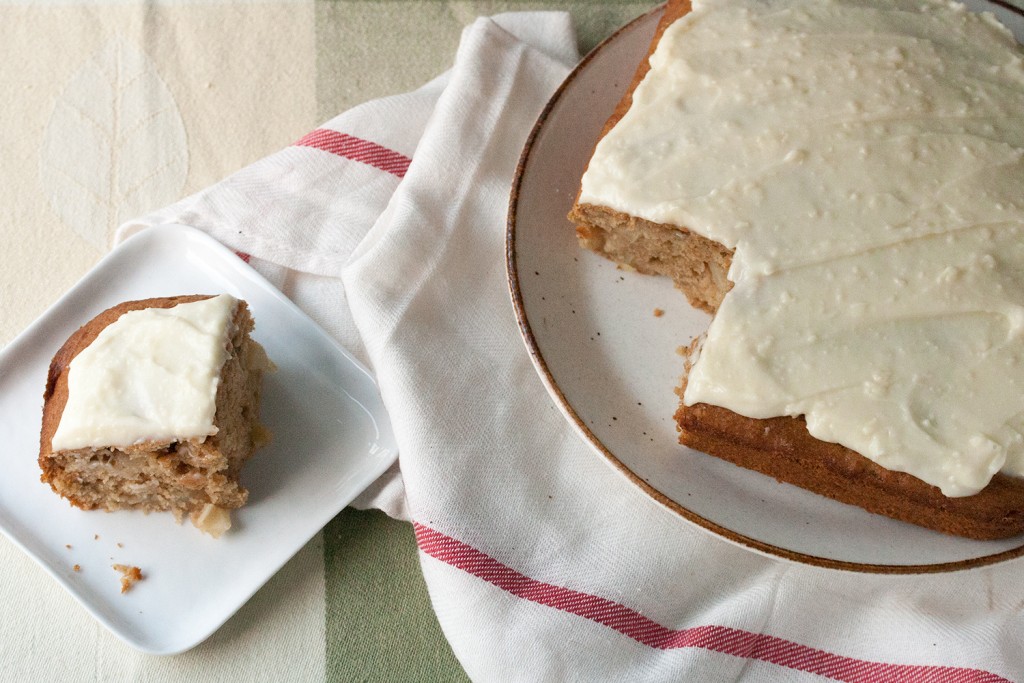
<point x="387" y="226"/>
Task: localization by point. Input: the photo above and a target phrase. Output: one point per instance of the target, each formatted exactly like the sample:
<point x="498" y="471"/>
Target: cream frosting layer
<point x="151" y="375"/>
<point x="865" y="160"/>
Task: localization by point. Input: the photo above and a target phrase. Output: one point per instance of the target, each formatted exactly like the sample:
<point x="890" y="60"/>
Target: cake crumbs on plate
<point x="658" y="312"/>
<point x="77" y="568"/>
<point x="129" y="576"/>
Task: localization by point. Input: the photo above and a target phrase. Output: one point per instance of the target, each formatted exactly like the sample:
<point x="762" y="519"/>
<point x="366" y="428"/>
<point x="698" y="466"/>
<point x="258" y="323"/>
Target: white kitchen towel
<point x="387" y="225"/>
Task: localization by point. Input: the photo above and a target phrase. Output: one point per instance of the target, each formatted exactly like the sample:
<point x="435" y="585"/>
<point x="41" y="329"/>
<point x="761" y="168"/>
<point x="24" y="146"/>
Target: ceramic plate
<point x="332" y="438"/>
<point x="611" y="361"/>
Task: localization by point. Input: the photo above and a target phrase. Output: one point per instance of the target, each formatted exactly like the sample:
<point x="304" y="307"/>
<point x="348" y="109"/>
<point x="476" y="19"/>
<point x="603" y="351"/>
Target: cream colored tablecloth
<point x="116" y="108"/>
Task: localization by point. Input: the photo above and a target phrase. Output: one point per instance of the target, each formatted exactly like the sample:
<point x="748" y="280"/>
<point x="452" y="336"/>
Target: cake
<point x="838" y="184"/>
<point x="130" y="575"/>
<point x="153" y="405"/>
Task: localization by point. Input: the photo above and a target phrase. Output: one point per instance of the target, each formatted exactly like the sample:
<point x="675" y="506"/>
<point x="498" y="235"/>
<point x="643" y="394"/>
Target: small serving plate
<point x="332" y="438"/>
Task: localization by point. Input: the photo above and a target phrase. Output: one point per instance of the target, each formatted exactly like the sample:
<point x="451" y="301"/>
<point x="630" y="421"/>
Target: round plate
<point x="605" y="343"/>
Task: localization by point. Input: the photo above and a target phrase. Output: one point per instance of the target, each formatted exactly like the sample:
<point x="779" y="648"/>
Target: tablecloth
<point x="258" y="643"/>
<point x="236" y="81"/>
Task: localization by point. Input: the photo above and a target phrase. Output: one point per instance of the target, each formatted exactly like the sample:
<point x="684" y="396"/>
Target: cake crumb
<point x="658" y="312"/>
<point x="120" y="545"/>
<point x="211" y="520"/>
<point x="68" y="546"/>
<point x="129" y="576"/>
<point x="96" y="537"/>
<point x="77" y="568"/>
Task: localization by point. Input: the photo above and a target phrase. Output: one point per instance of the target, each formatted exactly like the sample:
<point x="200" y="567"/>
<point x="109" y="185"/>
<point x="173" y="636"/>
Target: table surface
<point x="352" y="605"/>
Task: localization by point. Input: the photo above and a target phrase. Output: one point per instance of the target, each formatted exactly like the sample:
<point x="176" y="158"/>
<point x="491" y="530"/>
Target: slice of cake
<point x="838" y="182"/>
<point x="154" y="405"/>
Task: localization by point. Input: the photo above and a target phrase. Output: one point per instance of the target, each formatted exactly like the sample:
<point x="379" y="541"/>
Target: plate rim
<point x="207" y="243"/>
<point x="540" y="365"/>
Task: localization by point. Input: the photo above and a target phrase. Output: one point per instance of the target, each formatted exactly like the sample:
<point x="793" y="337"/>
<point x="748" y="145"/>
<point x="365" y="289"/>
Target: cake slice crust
<point x="782" y="448"/>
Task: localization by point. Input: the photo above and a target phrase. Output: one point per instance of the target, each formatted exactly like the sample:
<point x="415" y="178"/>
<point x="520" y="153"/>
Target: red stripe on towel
<point x="356" y="149"/>
<point x="731" y="641"/>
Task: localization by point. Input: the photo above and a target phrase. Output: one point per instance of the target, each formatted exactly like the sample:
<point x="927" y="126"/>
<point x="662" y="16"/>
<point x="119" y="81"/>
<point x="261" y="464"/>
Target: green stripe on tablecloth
<point x="379" y="623"/>
<point x="368" y="49"/>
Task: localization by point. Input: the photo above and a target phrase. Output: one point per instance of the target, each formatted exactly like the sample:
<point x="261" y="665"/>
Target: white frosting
<point x="151" y="375"/>
<point x="865" y="160"/>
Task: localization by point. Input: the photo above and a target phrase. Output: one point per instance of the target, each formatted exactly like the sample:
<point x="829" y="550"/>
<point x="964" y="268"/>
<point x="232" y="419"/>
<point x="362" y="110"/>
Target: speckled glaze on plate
<point x="610" y="360"/>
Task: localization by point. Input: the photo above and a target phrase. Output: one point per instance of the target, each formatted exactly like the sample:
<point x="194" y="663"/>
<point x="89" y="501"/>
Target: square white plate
<point x="332" y="438"/>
